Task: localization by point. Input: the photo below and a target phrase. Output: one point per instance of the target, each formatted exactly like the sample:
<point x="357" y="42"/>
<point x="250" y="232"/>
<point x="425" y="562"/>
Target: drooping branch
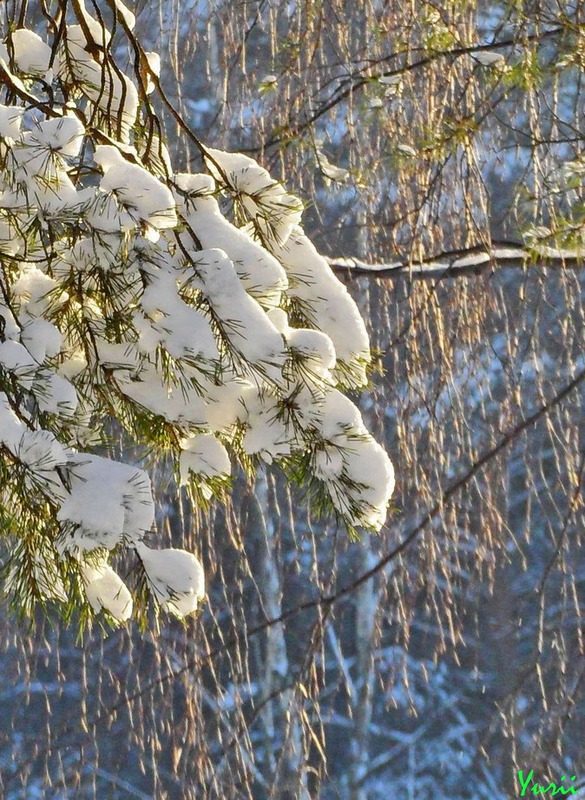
<point x="359" y="81"/>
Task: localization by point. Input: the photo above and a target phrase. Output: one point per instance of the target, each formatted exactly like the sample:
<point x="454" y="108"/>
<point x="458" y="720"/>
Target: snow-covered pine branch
<point x="129" y="296"/>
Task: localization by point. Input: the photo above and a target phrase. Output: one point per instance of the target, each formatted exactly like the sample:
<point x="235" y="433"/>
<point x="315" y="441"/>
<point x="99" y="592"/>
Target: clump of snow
<point x="487" y="59"/>
<point x="326" y="304"/>
<point x="34" y="290"/>
<point x="203" y="455"/>
<point x="114" y="94"/>
<point x="261" y="275"/>
<point x="274" y="210"/>
<point x="10" y="121"/>
<point x="266" y="434"/>
<point x="106" y="591"/>
<point x="329" y="462"/>
<point x="55" y="394"/>
<point x="195" y="185"/>
<point x="11" y="427"/>
<point x="406" y="150"/>
<point x="107" y="503"/>
<point x="316" y="350"/>
<point x="141" y="196"/>
<point x="63" y="135"/>
<point x="126" y="14"/>
<point x="184" y="331"/>
<point x="153" y="63"/>
<point x="331" y="171"/>
<point x="16" y="359"/>
<point x="99" y="34"/>
<point x="175" y="577"/>
<point x="246" y="326"/>
<point x="224" y="401"/>
<point x="353" y="464"/>
<point x="41" y="451"/>
<point x="41" y="338"/>
<point x="31" y="54"/>
<point x="148" y="388"/>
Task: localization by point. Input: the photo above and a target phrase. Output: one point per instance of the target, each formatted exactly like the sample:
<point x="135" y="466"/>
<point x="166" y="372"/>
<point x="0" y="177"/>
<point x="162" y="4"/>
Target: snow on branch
<point x="129" y="296"/>
<point x="474" y="261"/>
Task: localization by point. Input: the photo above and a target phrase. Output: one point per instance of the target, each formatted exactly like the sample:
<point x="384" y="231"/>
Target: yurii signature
<point x="553" y="788"/>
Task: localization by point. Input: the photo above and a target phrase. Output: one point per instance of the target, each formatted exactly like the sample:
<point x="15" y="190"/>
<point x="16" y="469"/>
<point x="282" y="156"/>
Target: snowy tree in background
<point x="190" y="311"/>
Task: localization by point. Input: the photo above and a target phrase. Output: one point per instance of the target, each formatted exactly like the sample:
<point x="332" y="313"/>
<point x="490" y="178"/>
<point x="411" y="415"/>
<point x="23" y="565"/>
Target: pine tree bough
<point x="129" y="297"/>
